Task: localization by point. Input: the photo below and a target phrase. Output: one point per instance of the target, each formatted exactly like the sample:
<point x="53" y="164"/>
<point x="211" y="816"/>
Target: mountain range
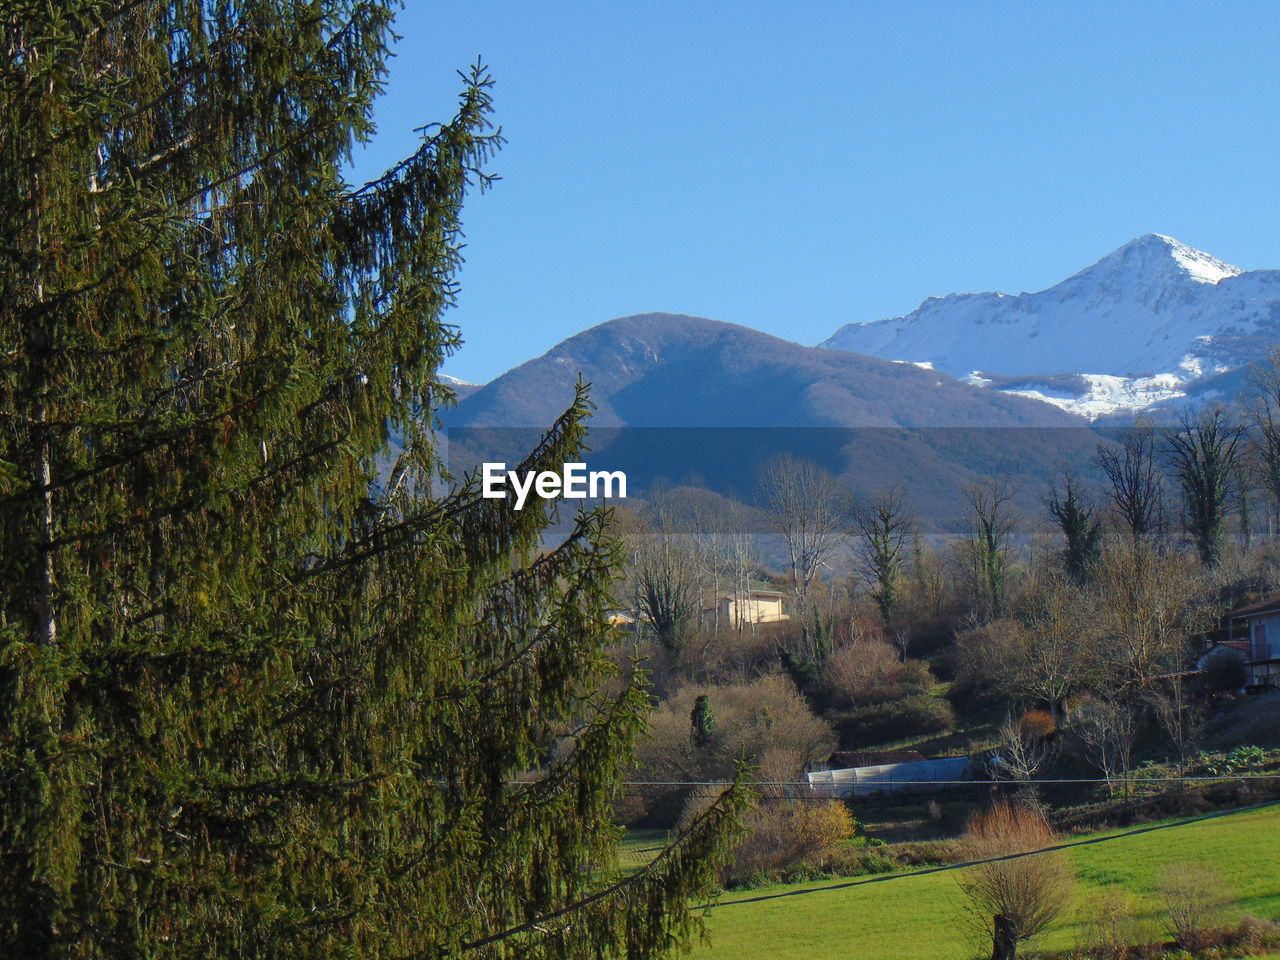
<point x="668" y="370"/>
<point x="699" y="402"/>
<point x="1146" y="326"/>
<point x="963" y="387"/>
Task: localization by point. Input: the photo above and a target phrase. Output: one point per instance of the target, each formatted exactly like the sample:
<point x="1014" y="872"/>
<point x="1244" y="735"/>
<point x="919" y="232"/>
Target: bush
<point x="1014" y="899"/>
<point x="984" y="659"/>
<point x="764" y="720"/>
<point x="871" y="672"/>
<point x="1225" y="671"/>
<point x="859" y="861"/>
<point x="787" y="837"/>
<point x="1194" y="895"/>
<point x="1112" y="925"/>
<point x="918" y="715"/>
<point x="1037" y="724"/>
<point x="1254" y="934"/>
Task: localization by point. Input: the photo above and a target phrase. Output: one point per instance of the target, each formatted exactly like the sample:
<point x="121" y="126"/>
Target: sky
<point x="796" y="167"/>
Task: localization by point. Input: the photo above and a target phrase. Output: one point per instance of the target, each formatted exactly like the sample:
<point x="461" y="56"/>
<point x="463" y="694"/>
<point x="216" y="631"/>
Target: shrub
<point x="984" y="660"/>
<point x="871" y="672"/>
<point x="918" y="715"/>
<point x="1225" y="671"/>
<point x="765" y="718"/>
<point x="1014" y="899"/>
<point x="789" y="836"/>
<point x="1037" y="724"/>
<point x="1194" y="895"/>
<point x="1255" y="934"/>
<point x="1112" y="925"/>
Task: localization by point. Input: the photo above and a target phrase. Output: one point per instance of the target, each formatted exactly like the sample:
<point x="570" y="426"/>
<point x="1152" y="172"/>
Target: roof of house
<point x="748" y="594"/>
<point x="873" y="758"/>
<point x="1270" y="605"/>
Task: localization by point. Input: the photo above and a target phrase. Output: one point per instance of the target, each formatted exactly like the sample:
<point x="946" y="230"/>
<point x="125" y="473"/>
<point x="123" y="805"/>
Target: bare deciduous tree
<point x="1017" y="892"/>
<point x="1181" y="718"/>
<point x="1023" y="751"/>
<point x="1108" y="728"/>
<point x="885" y="525"/>
<point x="1136" y="484"/>
<point x="1205" y="455"/>
<point x="990" y="521"/>
<point x="1145" y="609"/>
<point x="807" y="506"/>
<point x="1056" y="654"/>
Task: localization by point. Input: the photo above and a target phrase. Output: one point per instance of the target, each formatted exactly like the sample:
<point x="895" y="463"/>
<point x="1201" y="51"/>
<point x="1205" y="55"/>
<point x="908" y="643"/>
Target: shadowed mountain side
<point x="703" y="403"/>
<point x="666" y="370"/>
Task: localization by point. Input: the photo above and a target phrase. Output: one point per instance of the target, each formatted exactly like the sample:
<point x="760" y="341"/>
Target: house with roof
<point x="1254" y="631"/>
<point x="738" y="608"/>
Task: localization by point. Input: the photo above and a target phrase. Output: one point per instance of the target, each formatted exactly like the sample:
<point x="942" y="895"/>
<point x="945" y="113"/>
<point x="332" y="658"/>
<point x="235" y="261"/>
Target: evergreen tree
<point x="884" y="525"/>
<point x="252" y="702"/>
<point x="702" y="721"/>
<point x="1081" y="530"/>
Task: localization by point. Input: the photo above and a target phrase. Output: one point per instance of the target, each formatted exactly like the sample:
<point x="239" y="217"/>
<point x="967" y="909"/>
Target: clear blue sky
<point x="793" y="169"/>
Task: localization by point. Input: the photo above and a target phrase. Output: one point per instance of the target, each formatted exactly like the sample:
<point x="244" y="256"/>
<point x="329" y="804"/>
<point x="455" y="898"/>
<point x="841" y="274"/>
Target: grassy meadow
<point x="914" y="917"/>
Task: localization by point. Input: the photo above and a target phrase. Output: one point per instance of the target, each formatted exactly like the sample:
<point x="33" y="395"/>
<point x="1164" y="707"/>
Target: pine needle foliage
<point x="253" y="702"/>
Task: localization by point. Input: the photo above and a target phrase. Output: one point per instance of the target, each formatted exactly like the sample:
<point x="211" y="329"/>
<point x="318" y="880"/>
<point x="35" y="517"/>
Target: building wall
<point x="1264" y="644"/>
<point x="727" y="612"/>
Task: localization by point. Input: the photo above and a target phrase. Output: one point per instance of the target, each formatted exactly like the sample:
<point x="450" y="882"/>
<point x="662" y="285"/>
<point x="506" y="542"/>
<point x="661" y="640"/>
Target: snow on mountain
<point x="1139" y="327"/>
<point x="461" y="388"/>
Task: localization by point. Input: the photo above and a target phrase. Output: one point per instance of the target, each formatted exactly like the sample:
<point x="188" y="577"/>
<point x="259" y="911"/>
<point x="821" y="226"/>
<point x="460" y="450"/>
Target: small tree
<point x="1205" y="460"/>
<point x="807" y="506"/>
<point x="702" y="721"/>
<point x="1194" y="895"/>
<point x="1083" y="532"/>
<point x="1024" y="749"/>
<point x="1108" y="729"/>
<point x="990" y="522"/>
<point x="1134" y="473"/>
<point x="885" y="525"/>
<point x="1019" y="887"/>
<point x="1179" y="716"/>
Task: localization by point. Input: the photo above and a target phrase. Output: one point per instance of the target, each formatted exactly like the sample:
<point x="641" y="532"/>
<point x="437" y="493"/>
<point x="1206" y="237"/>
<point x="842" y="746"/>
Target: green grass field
<point x="903" y="917"/>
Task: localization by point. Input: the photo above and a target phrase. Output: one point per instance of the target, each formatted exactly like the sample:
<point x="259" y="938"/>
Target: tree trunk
<point x="1005" y="946"/>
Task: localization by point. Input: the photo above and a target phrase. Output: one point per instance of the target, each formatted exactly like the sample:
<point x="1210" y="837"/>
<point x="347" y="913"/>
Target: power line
<point x="1207" y="778"/>
<point x="883" y="878"/>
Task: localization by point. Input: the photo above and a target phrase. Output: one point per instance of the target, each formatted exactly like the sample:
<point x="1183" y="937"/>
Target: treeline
<point x="1092" y="613"/>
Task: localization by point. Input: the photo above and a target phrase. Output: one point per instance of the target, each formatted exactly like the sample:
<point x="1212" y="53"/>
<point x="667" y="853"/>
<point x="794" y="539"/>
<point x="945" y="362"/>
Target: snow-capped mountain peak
<point x="1138" y="327"/>
<point x="1154" y="259"/>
